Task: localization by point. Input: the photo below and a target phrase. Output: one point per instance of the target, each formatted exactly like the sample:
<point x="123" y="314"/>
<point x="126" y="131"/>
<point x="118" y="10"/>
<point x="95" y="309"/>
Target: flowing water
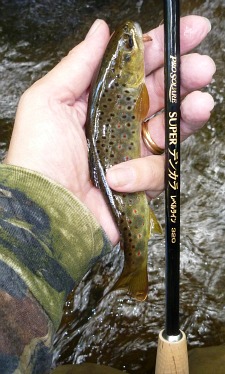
<point x="115" y="330"/>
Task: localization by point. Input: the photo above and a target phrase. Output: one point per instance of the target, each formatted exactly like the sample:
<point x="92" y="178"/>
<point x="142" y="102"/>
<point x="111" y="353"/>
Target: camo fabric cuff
<point x="48" y="241"/>
<point x="47" y="236"/>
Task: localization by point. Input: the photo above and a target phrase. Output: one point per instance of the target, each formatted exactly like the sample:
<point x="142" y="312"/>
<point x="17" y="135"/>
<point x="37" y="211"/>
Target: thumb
<point x="139" y="174"/>
<point x="73" y="74"/>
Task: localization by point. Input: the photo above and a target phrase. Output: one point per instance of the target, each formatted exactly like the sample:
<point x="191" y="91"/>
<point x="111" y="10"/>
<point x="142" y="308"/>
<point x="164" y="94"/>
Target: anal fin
<point x="155" y="227"/>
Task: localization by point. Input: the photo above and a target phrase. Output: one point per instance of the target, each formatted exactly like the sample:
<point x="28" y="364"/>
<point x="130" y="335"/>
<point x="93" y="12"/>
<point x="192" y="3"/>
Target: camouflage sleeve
<point x="48" y="241"/>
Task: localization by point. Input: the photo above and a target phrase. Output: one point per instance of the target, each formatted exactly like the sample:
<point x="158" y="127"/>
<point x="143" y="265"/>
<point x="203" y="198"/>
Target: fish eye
<point x="128" y="41"/>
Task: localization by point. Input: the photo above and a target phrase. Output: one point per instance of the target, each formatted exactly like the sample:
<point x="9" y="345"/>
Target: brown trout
<point x="118" y="104"/>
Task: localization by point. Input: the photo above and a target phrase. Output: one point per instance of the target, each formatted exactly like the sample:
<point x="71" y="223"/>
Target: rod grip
<point x="172" y="357"/>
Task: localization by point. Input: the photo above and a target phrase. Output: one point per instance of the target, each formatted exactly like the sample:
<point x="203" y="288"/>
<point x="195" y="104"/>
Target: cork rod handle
<point x="172" y="356"/>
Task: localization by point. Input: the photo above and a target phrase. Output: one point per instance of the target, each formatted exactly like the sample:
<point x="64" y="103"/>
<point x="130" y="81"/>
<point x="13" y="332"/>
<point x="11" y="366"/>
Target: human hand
<point x="49" y="135"/>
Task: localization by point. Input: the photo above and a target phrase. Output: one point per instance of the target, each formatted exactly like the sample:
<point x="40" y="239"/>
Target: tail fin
<point x="136" y="283"/>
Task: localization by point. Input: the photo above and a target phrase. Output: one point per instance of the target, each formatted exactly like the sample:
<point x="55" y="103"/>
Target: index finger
<point x="193" y="29"/>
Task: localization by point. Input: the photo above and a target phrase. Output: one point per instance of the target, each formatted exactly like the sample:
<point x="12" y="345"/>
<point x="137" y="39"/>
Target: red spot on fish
<point x="124" y="136"/>
<point x="139" y="253"/>
<point x="135" y="211"/>
<point x="118" y="125"/>
<point x="119" y="146"/>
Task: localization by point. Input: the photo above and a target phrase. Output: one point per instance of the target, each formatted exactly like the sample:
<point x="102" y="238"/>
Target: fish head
<point x="128" y="57"/>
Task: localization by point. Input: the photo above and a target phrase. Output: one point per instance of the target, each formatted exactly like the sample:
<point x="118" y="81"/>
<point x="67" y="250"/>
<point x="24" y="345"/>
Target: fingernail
<point x="211" y="102"/>
<point x="120" y="176"/>
<point x="93" y="28"/>
<point x="209" y="24"/>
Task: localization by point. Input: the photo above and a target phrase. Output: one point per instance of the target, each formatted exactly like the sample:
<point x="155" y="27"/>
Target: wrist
<point x="54" y="238"/>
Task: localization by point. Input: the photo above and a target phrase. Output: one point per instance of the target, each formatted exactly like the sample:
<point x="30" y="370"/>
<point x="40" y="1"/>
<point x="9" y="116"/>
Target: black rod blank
<point x="172" y="169"/>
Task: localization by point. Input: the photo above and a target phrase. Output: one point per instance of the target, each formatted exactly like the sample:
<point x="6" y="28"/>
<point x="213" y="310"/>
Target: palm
<point x="69" y="161"/>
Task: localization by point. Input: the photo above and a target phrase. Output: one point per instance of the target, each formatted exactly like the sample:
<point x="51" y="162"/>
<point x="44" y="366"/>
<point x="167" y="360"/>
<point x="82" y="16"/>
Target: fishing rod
<point x="172" y="346"/>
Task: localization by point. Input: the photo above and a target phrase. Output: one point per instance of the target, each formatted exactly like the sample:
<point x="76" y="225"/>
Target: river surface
<point x="117" y="331"/>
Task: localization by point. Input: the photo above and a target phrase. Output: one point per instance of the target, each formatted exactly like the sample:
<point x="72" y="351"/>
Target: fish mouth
<point x="138" y="29"/>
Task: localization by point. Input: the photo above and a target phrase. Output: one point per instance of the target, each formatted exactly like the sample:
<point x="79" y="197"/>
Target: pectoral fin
<point x="142" y="105"/>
